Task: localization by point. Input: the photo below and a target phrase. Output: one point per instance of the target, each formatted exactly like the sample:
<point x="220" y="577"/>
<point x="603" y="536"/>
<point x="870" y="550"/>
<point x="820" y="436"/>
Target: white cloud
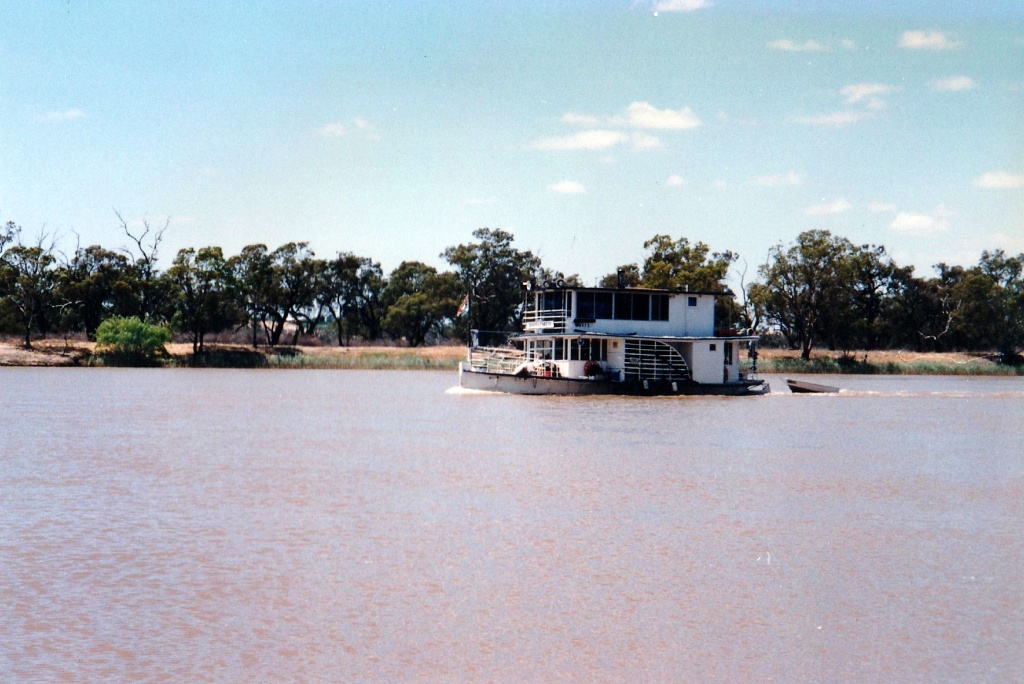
<point x="726" y="119"/>
<point x="66" y="115"/>
<point x="585" y="140"/>
<point x="953" y="84"/>
<point x="906" y="222"/>
<point x="580" y="119"/>
<point x="640" y="115"/>
<point x="791" y="178"/>
<point x="1000" y="180"/>
<point x="838" y="206"/>
<point x="928" y="40"/>
<point x="645" y="115"/>
<point x="680" y="5"/>
<point x="643" y="141"/>
<point x="339" y="129"/>
<point x="869" y="94"/>
<point x="881" y="207"/>
<point x="567" y="188"/>
<point x="841" y="118"/>
<point x="787" y="45"/>
<point x="922" y="224"/>
<point x="333" y="130"/>
<point x="675" y="181"/>
<point x="848" y="44"/>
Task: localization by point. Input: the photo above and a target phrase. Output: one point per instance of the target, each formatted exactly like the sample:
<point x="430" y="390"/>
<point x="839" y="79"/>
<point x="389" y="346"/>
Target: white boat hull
<point x="534" y="385"/>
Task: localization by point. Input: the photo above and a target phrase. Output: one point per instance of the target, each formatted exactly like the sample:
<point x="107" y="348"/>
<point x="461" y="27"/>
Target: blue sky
<point x="394" y="129"/>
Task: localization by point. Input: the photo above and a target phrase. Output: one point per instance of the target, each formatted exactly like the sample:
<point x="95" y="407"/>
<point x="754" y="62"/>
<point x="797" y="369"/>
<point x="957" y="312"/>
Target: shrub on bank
<point x="129" y="341"/>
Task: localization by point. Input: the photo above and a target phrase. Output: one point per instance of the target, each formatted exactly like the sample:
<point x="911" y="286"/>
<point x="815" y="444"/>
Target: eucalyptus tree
<point x="253" y="272"/>
<point x="1007" y="275"/>
<point x="151" y="290"/>
<point x="204" y="294"/>
<point x="492" y="273"/>
<point x="337" y="291"/>
<point x="803" y="285"/>
<point x="26" y="282"/>
<point x="419" y="301"/>
<point x="292" y="287"/>
<point x="677" y="265"/>
<point x="93" y="285"/>
<point x="370" y="310"/>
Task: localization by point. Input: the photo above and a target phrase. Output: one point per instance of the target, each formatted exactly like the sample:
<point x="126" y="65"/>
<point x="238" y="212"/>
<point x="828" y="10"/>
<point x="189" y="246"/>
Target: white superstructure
<point x="624" y="340"/>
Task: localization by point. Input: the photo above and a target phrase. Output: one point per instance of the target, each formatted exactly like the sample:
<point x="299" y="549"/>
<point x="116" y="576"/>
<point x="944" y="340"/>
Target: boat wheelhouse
<point x="578" y="340"/>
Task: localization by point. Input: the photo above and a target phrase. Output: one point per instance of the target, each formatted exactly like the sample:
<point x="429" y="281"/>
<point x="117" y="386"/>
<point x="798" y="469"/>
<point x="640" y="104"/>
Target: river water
<point x="177" y="525"/>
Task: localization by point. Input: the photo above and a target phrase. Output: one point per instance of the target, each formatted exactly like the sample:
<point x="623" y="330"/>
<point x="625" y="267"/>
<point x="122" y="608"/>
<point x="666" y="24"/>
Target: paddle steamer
<point x="625" y="340"/>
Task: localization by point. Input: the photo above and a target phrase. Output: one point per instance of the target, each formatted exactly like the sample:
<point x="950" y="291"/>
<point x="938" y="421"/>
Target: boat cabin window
<point x="541" y="350"/>
<point x="692" y="301"/>
<point x="632" y="306"/>
<point x="622" y="306"/>
<point x="728" y="353"/>
<point x="659" y="307"/>
<point x="553" y="301"/>
<point x="594" y="305"/>
<point x="586" y="349"/>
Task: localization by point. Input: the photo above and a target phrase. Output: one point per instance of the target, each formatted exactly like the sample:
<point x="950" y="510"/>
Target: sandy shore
<point x="55" y="352"/>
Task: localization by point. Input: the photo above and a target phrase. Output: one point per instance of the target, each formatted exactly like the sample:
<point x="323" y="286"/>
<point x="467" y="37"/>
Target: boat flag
<point x="463" y="306"/>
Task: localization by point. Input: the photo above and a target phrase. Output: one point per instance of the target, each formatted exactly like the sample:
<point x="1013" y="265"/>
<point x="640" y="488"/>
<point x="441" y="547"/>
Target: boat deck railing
<point x="544" y="320"/>
<point x="496" y="359"/>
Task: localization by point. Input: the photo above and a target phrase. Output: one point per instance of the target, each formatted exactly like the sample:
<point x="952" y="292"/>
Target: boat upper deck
<point x="621" y="311"/>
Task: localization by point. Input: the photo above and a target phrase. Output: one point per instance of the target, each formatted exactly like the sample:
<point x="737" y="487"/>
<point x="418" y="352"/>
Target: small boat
<point x="617" y="340"/>
<point x="804" y="387"/>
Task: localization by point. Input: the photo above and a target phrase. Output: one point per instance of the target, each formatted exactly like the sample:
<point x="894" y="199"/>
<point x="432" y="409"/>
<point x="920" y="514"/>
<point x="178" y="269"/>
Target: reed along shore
<point x="55" y="352"/>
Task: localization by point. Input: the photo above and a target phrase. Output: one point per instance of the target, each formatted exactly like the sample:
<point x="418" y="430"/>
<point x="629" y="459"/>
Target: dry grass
<point x="54" y="352"/>
<point x="897" y="362"/>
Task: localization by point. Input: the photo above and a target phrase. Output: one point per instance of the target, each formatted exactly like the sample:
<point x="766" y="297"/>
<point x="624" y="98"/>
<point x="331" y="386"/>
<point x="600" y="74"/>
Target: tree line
<point x="820" y="291"/>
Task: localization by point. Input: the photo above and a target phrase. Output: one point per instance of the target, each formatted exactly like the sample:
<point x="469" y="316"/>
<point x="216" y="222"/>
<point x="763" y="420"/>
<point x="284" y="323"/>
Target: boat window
<point x="630" y="306"/>
<point x="552" y="301"/>
<point x="623" y="306"/>
<point x="586" y="349"/>
<point x="659" y="307"/>
<point x="713" y="347"/>
<point x="585" y="305"/>
<point x="728" y="353"/>
<point x="594" y="305"/>
<point x="641" y="307"/>
<point x="692" y="301"/>
<point x="559" y="349"/>
<point x="542" y="350"/>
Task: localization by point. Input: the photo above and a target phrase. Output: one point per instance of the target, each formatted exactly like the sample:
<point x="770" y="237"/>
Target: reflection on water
<point x="359" y="526"/>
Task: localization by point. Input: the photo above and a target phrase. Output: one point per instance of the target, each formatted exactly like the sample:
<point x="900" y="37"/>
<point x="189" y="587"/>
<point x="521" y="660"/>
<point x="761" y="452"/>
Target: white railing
<point x="544" y="320"/>
<point x="496" y="359"/>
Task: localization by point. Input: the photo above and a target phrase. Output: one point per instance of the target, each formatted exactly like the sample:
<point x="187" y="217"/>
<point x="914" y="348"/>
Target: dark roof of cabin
<point x="641" y="290"/>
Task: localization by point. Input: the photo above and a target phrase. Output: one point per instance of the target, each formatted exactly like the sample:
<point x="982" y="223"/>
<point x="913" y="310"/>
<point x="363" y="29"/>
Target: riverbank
<point x="76" y="353"/>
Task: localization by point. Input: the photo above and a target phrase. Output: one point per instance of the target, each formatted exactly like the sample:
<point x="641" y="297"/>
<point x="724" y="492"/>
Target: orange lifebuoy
<point x="591" y="368"/>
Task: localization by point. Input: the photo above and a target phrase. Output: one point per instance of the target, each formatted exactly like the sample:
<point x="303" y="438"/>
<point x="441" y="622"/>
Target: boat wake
<point x="947" y="394"/>
<point x="465" y="390"/>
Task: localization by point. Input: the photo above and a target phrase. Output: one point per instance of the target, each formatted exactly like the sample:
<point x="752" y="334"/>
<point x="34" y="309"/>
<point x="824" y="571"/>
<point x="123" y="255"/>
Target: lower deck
<point x="620" y="361"/>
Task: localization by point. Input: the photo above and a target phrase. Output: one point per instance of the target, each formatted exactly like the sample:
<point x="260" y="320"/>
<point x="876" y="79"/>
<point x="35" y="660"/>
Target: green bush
<point x="130" y="341"/>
